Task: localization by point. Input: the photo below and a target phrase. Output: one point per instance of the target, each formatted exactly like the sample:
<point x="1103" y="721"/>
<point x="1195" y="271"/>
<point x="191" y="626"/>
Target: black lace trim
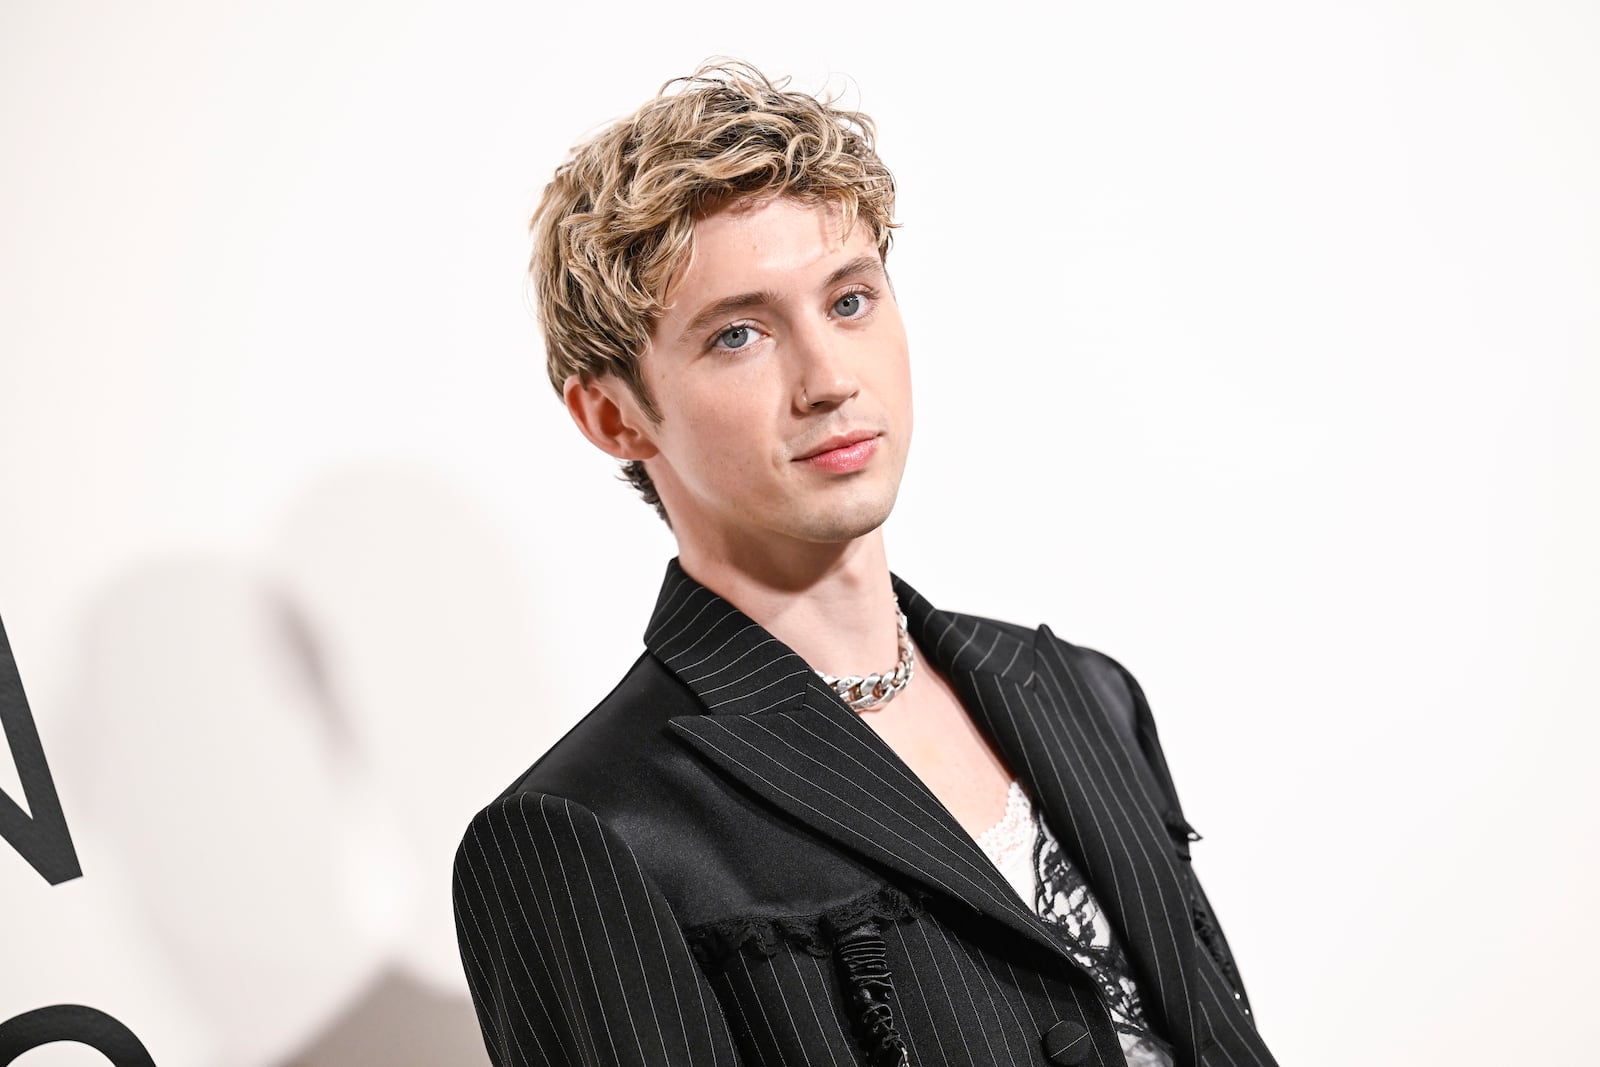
<point x="717" y="944"/>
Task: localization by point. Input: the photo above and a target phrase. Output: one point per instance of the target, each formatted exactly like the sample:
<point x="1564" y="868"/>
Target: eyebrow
<point x="711" y="313"/>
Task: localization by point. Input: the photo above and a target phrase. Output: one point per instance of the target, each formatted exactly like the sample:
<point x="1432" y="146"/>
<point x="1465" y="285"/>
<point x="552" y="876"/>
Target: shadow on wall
<point x="278" y="756"/>
<point x="398" y="1022"/>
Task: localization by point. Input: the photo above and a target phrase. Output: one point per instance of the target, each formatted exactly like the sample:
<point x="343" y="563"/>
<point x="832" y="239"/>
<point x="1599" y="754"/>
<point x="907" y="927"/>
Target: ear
<point x="608" y="414"/>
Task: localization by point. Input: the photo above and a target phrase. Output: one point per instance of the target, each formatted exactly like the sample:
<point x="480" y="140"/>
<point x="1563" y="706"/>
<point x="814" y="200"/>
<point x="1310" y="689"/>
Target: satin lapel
<point x="1055" y="735"/>
<point x="774" y="727"/>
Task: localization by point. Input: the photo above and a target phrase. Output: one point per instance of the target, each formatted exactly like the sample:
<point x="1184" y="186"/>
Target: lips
<point x="837" y="442"/>
<point x="842" y="454"/>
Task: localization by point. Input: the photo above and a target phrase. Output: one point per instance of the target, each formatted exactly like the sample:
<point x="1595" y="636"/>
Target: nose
<point x="825" y="375"/>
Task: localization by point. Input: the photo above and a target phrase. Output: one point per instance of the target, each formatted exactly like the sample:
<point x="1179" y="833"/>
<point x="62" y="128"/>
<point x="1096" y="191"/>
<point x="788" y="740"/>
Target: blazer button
<point x="1068" y="1043"/>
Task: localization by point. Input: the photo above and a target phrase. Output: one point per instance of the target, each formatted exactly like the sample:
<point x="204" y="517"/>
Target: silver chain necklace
<point x="876" y="690"/>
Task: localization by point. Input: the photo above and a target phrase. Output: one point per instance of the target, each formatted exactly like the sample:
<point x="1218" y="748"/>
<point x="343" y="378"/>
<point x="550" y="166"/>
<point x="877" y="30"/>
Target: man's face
<point x="783" y="381"/>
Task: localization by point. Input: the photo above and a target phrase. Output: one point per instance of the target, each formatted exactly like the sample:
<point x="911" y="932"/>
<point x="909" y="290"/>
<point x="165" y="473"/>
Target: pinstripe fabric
<point x="574" y="925"/>
<point x="571" y="955"/>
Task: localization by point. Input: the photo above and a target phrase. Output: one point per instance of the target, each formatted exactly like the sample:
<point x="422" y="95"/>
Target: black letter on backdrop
<point x="75" y="1023"/>
<point x="43" y="840"/>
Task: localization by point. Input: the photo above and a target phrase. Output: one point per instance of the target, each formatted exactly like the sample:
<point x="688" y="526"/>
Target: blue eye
<point x="848" y="305"/>
<point x="737" y="337"/>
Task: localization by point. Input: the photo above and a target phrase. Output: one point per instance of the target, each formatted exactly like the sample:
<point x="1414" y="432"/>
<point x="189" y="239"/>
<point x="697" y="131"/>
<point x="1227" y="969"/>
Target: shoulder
<point x="1104" y="686"/>
<point x="1083" y="658"/>
<point x="1113" y="686"/>
<point x="625" y="734"/>
<point x="620" y="762"/>
<point x="623" y="780"/>
<point x="1099" y="676"/>
<point x="616" y="777"/>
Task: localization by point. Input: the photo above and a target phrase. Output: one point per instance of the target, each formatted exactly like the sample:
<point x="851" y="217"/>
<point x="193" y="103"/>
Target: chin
<point x="845" y="521"/>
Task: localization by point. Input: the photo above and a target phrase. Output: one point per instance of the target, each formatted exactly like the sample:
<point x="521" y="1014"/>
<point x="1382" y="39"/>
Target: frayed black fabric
<point x="852" y="933"/>
<point x="862" y="958"/>
<point x="1182" y="833"/>
<point x="717" y="944"/>
<point x="1206" y="929"/>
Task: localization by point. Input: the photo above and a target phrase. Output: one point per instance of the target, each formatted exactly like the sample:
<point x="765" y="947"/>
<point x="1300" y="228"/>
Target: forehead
<point x="769" y="244"/>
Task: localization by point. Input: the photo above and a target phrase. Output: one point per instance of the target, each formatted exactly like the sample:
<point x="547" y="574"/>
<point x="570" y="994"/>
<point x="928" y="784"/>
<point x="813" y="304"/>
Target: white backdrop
<point x="302" y="562"/>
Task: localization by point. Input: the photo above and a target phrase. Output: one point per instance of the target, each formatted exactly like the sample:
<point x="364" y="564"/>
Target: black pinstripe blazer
<point x="723" y="865"/>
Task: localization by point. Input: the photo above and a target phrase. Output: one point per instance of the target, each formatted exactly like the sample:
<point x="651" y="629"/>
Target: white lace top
<point x="1027" y="853"/>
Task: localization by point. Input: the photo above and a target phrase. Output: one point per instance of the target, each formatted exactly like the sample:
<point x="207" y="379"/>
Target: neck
<point x="832" y="604"/>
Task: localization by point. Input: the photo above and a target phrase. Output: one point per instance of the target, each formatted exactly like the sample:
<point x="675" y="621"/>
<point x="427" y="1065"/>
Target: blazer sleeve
<point x="571" y="952"/>
<point x="1207" y="927"/>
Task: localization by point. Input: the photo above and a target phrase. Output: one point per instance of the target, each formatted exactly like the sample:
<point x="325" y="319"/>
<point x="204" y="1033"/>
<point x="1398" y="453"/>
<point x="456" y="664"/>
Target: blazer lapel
<point x="774" y="727"/>
<point x="1053" y="733"/>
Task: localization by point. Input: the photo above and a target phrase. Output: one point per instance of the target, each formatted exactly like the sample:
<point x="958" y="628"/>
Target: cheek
<point x="892" y="343"/>
<point x="725" y="435"/>
<point x="894" y="375"/>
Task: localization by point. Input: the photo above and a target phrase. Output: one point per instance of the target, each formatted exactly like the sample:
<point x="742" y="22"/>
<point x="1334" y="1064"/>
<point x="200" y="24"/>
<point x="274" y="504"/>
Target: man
<point x="819" y="821"/>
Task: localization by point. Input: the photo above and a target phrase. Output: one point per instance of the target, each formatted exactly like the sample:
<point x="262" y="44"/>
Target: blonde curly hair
<point x="618" y="218"/>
